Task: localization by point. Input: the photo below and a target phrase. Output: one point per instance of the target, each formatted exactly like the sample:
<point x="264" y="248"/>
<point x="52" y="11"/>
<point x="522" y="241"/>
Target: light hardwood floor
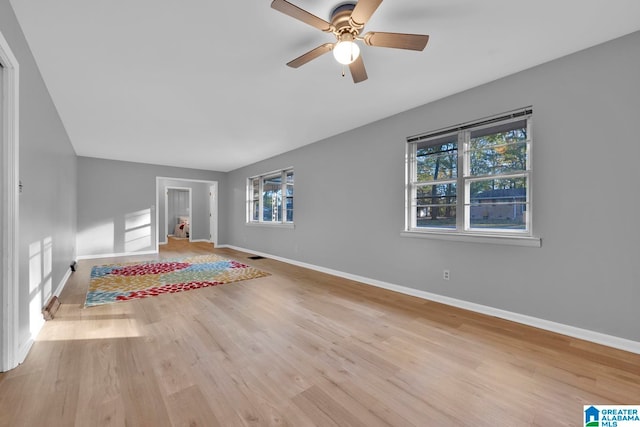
<point x="301" y="348"/>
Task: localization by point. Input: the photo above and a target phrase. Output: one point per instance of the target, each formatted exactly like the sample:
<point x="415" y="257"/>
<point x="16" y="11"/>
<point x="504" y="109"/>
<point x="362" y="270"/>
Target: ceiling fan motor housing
<point x="342" y="22"/>
<point x="349" y="5"/>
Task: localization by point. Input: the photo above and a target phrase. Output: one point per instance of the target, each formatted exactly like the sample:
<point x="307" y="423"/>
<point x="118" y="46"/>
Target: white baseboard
<point x="114" y="255"/>
<point x="201" y="240"/>
<point x="572" y="331"/>
<point x="62" y="283"/>
<point x="24" y="349"/>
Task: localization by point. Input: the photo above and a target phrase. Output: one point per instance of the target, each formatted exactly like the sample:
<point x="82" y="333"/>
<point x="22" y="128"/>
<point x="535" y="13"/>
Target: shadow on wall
<point x="130" y="233"/>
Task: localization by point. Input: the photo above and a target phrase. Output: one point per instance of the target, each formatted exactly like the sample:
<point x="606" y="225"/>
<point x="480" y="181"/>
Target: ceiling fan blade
<point x="363" y="11"/>
<point x="300" y="14"/>
<point x="396" y="40"/>
<point x="311" y="55"/>
<point x="358" y="72"/>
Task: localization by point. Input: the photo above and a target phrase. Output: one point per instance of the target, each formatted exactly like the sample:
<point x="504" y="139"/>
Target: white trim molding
<point x="272" y="225"/>
<point x="559" y="328"/>
<point x="158" y="242"/>
<point x="506" y="239"/>
<point x="62" y="283"/>
<point x="9" y="193"/>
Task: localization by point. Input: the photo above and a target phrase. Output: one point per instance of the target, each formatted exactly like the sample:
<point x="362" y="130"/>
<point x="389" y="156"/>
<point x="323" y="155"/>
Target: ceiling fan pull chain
<point x="343" y="73"/>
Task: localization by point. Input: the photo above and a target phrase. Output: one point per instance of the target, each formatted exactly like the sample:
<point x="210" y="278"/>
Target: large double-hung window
<point x="270" y="198"/>
<point x="472" y="179"/>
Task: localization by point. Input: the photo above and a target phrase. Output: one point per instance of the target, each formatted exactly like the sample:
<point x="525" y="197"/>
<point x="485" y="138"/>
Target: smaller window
<point x="270" y="198"/>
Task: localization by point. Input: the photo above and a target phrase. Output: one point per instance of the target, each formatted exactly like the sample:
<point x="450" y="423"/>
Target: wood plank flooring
<point x="301" y="348"/>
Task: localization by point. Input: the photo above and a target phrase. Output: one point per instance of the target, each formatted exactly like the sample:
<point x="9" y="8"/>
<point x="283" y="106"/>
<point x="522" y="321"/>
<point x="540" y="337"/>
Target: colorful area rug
<point x="127" y="281"/>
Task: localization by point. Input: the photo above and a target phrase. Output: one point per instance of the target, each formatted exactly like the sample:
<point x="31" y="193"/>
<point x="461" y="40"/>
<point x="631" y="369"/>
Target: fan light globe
<point x="346" y="51"/>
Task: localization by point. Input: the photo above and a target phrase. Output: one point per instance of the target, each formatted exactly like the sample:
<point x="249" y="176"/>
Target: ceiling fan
<point x="347" y="21"/>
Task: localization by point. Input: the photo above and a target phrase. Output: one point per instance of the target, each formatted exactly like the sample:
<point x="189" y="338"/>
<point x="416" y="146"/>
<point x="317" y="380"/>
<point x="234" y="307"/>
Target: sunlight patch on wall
<point x="137" y="233"/>
<point x="35" y="314"/>
<point x="35" y="265"/>
<point x="47" y="267"/>
<point x="97" y="239"/>
<point x="40" y="280"/>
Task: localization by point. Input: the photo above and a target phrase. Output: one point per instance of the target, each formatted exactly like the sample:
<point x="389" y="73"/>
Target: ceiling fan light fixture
<point x="346" y="51"/>
<point x="348" y="20"/>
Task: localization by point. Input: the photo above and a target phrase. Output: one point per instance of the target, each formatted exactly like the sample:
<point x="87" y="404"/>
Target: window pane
<point x="436" y="206"/>
<point x="437" y="162"/>
<point x="289" y="209"/>
<point x="255" y="197"/>
<point x="498" y="203"/>
<point x="272" y="198"/>
<point x="255" y="188"/>
<point x="501" y="150"/>
<point x="255" y="212"/>
<point x="289" y="204"/>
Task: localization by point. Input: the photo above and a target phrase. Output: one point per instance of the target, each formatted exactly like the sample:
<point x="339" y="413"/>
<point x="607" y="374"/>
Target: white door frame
<point x="213" y="214"/>
<point x="166" y="208"/>
<point x="9" y="192"/>
<point x="213" y="232"/>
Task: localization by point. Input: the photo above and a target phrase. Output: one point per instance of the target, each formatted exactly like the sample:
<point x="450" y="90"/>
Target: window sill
<point x="501" y="239"/>
<point x="271" y="224"/>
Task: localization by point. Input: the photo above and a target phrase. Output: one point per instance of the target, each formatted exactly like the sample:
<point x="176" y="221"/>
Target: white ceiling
<point x="203" y="84"/>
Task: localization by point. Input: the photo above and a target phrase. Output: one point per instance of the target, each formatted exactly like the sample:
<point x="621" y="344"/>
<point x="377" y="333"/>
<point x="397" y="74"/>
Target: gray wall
<point x="349" y="198"/>
<point x="116" y="204"/>
<point x="199" y="228"/>
<point x="48" y="172"/>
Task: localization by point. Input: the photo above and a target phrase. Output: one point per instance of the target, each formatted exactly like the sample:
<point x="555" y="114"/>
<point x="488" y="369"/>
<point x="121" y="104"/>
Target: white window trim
<point x="460" y="233"/>
<point x="470" y="237"/>
<point x="271" y="224"/>
<point x="249" y="212"/>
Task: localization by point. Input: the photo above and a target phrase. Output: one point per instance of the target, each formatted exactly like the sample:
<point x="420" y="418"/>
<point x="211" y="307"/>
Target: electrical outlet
<point x="446" y="274"/>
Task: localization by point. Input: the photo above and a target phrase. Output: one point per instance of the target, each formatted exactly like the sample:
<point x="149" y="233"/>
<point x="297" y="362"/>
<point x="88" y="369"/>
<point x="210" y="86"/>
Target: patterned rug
<point x="127" y="281"/>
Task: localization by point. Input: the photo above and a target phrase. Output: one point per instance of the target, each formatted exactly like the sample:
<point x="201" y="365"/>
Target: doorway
<point x="9" y="260"/>
<point x="203" y="225"/>
<point x="178" y="207"/>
